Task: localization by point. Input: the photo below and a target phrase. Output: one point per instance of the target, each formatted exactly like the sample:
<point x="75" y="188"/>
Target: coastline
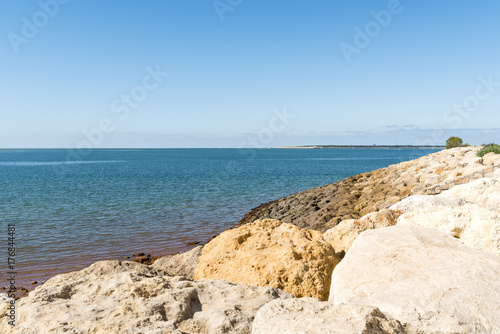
<point x="312" y="202"/>
<point x="40" y="276"/>
<point x="253" y="277"/>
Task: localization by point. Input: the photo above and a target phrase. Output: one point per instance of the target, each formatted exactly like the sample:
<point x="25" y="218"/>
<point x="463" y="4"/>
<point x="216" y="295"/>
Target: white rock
<point x="308" y="315"/>
<point x="471" y="161"/>
<point x="477" y="192"/>
<point x="5" y="303"/>
<point x="491" y="159"/>
<point x="496" y="173"/>
<point x="128" y="297"/>
<point x="343" y="235"/>
<point x="181" y="264"/>
<point x="419" y="202"/>
<point x="475" y="226"/>
<point x="424" y="278"/>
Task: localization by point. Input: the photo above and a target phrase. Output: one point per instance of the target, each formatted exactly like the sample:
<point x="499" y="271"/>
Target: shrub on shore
<point x="492" y="147"/>
<point x="454" y="142"/>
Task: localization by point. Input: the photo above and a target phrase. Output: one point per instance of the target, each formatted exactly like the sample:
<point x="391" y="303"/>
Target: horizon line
<point x="230" y="148"/>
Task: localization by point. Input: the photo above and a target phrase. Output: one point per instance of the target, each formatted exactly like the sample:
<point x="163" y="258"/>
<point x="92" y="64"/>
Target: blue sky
<point x="420" y="71"/>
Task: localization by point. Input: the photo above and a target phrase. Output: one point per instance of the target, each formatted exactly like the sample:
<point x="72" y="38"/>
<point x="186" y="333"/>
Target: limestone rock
<point x="128" y="297"/>
<point x="307" y="315"/>
<point x="471" y="161"/>
<point x="343" y="235"/>
<point x="474" y="225"/>
<point x="181" y="264"/>
<point x="5" y="303"/>
<point x="419" y="202"/>
<point x="483" y="192"/>
<point x="491" y="159"/>
<point x="271" y="253"/>
<point x="426" y="279"/>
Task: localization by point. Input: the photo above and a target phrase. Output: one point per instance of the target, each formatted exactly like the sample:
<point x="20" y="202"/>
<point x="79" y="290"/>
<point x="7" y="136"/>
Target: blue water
<point x="71" y="212"/>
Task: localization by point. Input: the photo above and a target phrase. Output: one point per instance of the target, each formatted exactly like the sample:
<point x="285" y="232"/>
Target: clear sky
<point x="241" y="73"/>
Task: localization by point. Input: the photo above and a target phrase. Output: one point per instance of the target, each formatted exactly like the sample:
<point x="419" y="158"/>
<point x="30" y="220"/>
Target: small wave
<point x="52" y="163"/>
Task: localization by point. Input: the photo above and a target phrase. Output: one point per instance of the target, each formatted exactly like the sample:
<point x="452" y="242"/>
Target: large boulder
<point x="476" y="226"/>
<point x="271" y="253"/>
<point x="128" y="297"/>
<point x="343" y="235"/>
<point x="491" y="159"/>
<point x="426" y="279"/>
<point x="181" y="264"/>
<point x="470" y="212"/>
<point x="484" y="192"/>
<point x="308" y="315"/>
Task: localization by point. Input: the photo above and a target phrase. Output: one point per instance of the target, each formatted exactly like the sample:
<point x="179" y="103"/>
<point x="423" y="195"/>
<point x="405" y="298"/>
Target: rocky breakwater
<point x="324" y="207"/>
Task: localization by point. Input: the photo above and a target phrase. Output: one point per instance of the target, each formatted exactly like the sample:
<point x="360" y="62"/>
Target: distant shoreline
<point x="217" y="148"/>
<point x="363" y="146"/>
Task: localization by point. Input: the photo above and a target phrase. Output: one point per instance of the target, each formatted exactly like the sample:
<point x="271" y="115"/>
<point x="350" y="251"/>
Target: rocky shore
<point x="324" y="207"/>
<point x="412" y="248"/>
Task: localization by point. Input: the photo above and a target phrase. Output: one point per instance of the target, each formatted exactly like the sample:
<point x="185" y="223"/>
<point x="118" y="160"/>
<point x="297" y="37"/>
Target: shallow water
<point x="113" y="203"/>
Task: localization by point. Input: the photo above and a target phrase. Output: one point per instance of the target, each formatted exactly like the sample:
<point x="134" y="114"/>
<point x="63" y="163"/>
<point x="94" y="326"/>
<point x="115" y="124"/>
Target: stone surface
<point x="491" y="159"/>
<point x="307" y="315"/>
<point x="343" y="235"/>
<point x="181" y="264"/>
<point x="128" y="297"/>
<point x="324" y="207"/>
<point x="475" y="226"/>
<point x="271" y="253"/>
<point x="418" y="202"/>
<point x="483" y="192"/>
<point x="469" y="212"/>
<point x="426" y="279"/>
<point x="5" y="302"/>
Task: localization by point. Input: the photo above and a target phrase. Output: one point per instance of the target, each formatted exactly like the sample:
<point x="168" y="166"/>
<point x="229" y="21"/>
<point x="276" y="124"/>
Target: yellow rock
<point x="271" y="253"/>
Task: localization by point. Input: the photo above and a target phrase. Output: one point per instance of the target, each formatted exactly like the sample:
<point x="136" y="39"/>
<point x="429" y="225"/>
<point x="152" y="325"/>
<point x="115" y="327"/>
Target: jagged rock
<point x="271" y="253"/>
<point x="491" y="159"/>
<point x="470" y="212"/>
<point x="128" y="297"/>
<point x="307" y="315"/>
<point x="181" y="264"/>
<point x="343" y="235"/>
<point x="471" y="162"/>
<point x="6" y="313"/>
<point x="475" y="226"/>
<point x="419" y="202"/>
<point x="483" y="192"/>
<point x="426" y="279"/>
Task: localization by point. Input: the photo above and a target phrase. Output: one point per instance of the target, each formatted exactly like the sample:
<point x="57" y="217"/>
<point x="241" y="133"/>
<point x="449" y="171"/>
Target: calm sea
<point x="113" y="203"/>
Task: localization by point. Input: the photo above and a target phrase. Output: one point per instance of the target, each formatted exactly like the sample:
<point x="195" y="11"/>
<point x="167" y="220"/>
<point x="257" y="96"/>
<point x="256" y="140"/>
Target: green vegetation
<point x="454" y="142"/>
<point x="492" y="147"/>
